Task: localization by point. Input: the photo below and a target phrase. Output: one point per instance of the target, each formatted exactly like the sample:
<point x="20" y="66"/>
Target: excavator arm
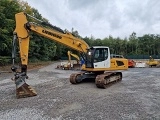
<point x="21" y="34"/>
<point x="23" y="27"/>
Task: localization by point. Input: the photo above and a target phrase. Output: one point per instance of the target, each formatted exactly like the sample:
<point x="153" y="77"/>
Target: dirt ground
<point x="31" y="66"/>
<point x="136" y="97"/>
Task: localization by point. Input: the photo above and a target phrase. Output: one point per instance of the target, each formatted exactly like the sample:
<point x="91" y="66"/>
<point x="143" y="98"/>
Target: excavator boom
<point x="23" y="27"/>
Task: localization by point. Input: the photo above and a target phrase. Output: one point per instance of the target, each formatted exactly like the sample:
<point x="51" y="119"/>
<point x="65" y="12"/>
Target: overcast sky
<point x="102" y="18"/>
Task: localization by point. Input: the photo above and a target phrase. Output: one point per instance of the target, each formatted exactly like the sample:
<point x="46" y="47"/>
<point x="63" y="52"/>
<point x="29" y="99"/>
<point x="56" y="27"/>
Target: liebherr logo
<point x="51" y="34"/>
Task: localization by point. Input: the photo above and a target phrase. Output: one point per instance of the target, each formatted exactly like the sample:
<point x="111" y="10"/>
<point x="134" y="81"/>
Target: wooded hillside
<point x="45" y="50"/>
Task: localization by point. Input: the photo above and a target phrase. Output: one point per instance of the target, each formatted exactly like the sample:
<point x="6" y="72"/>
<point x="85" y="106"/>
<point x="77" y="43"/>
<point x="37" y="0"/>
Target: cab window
<point x="101" y="54"/>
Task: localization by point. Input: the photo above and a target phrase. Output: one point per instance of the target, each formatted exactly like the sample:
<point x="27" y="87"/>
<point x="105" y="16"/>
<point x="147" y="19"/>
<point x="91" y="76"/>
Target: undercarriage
<point x="102" y="79"/>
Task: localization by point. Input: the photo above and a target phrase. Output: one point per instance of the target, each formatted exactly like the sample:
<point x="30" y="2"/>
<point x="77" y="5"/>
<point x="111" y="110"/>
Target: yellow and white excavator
<point x="97" y="58"/>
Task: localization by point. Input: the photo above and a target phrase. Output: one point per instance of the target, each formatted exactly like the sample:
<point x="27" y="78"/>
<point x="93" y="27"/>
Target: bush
<point x="5" y="60"/>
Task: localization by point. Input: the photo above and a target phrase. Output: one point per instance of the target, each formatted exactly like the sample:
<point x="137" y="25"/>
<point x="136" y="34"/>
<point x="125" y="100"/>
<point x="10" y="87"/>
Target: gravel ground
<point x="136" y="97"/>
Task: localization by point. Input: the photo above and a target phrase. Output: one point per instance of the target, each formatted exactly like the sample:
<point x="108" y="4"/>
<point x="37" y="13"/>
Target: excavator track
<point x="101" y="80"/>
<point x="76" y="77"/>
<point x="104" y="80"/>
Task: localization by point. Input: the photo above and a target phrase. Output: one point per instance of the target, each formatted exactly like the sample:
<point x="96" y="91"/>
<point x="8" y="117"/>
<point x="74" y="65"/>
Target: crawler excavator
<point x="70" y="65"/>
<point x="75" y="66"/>
<point x="97" y="58"/>
<point x="73" y="55"/>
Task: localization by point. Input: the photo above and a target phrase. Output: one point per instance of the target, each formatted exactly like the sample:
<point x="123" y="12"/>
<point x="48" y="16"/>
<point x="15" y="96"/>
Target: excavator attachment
<point x="23" y="90"/>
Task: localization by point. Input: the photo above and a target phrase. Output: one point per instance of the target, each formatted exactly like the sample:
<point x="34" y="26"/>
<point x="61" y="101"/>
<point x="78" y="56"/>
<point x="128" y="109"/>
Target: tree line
<point x="43" y="49"/>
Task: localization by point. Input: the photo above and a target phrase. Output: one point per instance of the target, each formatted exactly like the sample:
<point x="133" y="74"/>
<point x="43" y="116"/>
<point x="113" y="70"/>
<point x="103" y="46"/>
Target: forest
<point x="43" y="49"/>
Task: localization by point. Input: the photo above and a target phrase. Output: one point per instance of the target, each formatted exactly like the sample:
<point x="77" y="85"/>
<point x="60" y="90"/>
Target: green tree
<point x="7" y="10"/>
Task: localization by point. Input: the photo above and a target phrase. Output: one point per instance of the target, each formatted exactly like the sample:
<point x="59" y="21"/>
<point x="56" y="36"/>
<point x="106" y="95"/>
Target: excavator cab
<point x="98" y="57"/>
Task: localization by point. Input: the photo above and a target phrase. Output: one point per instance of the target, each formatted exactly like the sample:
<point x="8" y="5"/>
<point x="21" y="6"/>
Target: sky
<point x="102" y="18"/>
